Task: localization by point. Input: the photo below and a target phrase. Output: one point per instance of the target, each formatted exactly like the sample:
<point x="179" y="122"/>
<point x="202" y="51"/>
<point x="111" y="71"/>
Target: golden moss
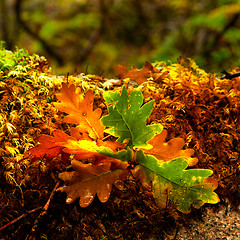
<point x="190" y="103"/>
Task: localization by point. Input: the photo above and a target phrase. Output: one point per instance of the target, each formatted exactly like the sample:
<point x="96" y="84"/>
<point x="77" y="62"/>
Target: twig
<point x="44" y="211"/>
<point x="230" y="75"/>
<point x="19" y="218"/>
<point x="176" y="233"/>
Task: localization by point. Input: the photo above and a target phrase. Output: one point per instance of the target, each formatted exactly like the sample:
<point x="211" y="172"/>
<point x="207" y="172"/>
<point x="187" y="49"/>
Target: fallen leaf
<point x="89" y="180"/>
<point x="80" y="110"/>
<point x="50" y="147"/>
<point x="128" y="116"/>
<point x="172" y="181"/>
<point x="141" y="75"/>
<point x="166" y="151"/>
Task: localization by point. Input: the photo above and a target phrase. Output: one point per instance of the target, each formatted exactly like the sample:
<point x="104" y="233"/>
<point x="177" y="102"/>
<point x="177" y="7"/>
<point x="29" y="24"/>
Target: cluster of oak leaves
<point x="104" y="151"/>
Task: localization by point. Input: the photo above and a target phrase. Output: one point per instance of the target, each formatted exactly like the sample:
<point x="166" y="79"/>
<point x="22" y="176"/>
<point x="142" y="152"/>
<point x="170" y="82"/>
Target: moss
<point x="189" y="102"/>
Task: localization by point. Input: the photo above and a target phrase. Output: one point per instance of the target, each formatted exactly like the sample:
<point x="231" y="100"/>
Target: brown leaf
<point x="88" y="180"/>
<point x="141" y="75"/>
<point x="166" y="151"/>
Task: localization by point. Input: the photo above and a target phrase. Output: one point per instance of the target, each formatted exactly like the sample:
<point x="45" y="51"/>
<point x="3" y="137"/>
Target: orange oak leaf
<point x="80" y="110"/>
<point x="89" y="180"/>
<point x="81" y="145"/>
<point x="166" y="151"/>
<point x="77" y="135"/>
<point x="50" y="147"/>
<point x="141" y="75"/>
<point x="84" y="147"/>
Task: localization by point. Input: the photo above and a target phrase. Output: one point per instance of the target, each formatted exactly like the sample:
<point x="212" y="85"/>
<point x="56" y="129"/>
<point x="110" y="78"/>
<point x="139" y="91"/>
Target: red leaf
<point x="50" y="147"/>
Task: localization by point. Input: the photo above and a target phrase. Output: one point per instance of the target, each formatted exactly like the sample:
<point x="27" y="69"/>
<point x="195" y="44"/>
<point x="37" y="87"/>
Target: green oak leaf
<point x="127" y="117"/>
<point x="123" y="155"/>
<point x="170" y="181"/>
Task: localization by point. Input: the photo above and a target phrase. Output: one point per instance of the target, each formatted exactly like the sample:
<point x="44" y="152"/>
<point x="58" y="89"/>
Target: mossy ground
<point x="189" y="103"/>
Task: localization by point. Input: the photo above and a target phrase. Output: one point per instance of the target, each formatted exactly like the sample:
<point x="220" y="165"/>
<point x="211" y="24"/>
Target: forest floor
<point x="129" y="214"/>
<point x="189" y="103"/>
<point x="221" y="224"/>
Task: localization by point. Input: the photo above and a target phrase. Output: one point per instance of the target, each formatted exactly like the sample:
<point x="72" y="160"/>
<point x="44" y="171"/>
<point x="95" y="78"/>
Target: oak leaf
<point x="89" y="180"/>
<point x="50" y="147"/>
<point x="166" y="151"/>
<point x="171" y="181"/>
<point x="61" y="143"/>
<point x="141" y="75"/>
<point x="127" y="118"/>
<point x="80" y="110"/>
<point x="84" y="147"/>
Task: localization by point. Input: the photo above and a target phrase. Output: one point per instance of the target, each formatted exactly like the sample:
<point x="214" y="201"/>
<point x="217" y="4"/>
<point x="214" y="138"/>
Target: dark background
<point x="93" y="36"/>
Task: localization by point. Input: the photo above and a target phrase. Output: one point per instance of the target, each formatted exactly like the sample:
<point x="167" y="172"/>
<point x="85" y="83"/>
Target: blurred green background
<point x="94" y="36"/>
